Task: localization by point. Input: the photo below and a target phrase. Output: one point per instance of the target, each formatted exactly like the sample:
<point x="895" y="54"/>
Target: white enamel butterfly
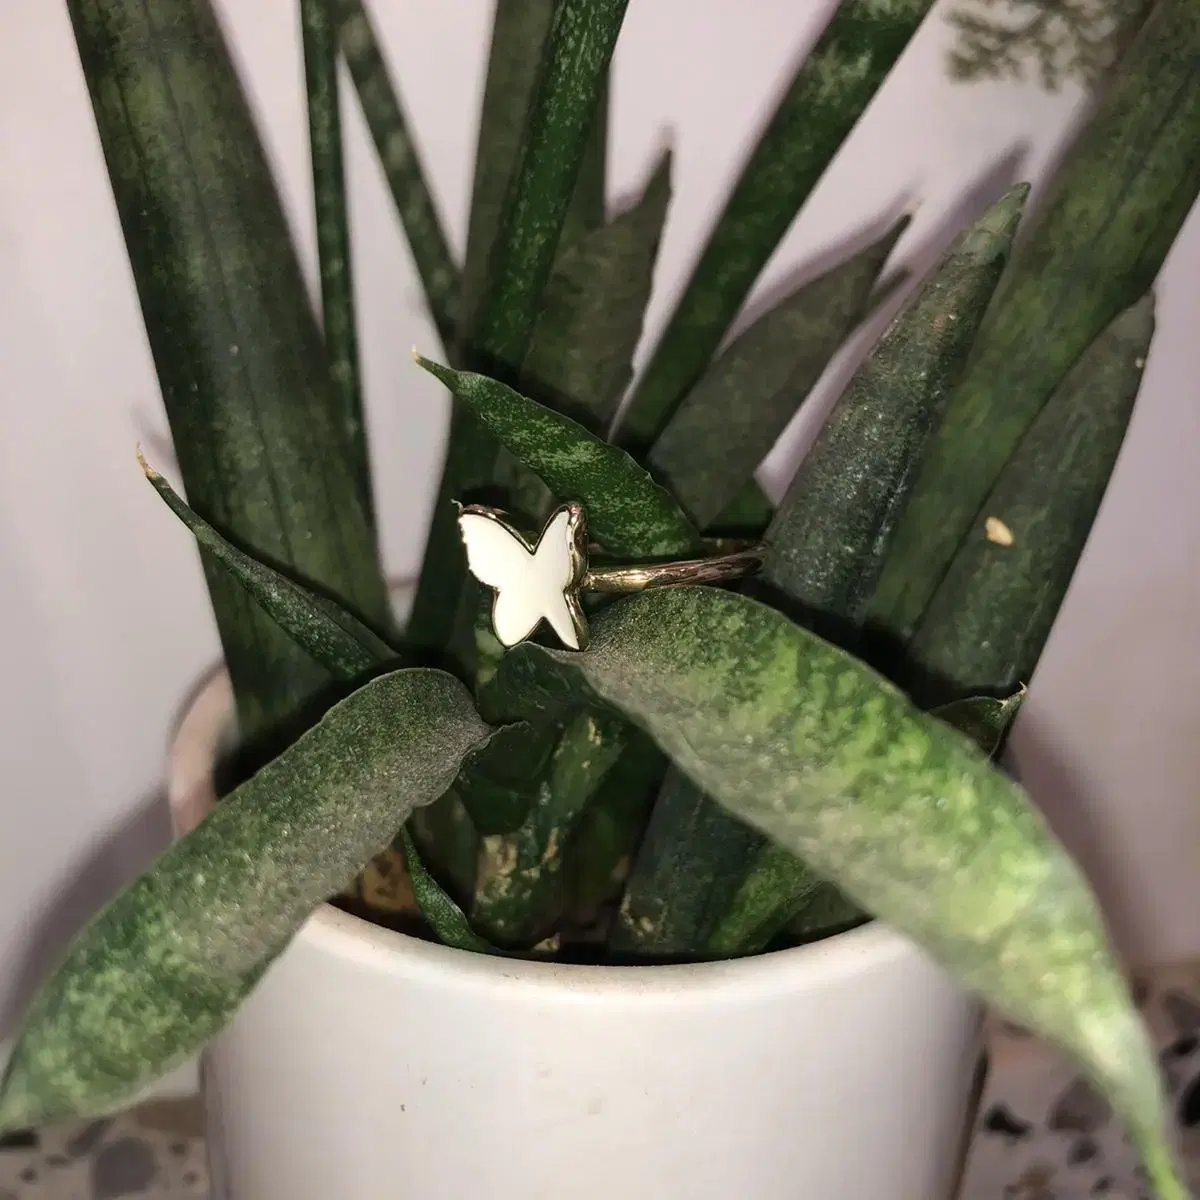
<point x="532" y="583"/>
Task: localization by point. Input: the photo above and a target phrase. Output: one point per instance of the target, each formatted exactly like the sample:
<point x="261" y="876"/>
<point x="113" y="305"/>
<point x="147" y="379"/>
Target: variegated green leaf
<point x="168" y="962"/>
<point x="437" y="906"/>
<point x="804" y="742"/>
<point x="337" y="639"/>
<point x="627" y="512"/>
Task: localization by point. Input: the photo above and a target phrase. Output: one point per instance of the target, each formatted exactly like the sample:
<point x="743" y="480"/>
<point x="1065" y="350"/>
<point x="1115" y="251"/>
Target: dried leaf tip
<point x="147" y="469"/>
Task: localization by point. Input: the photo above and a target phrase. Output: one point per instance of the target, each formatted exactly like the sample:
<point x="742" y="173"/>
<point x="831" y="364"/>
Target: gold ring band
<point x="544" y="580"/>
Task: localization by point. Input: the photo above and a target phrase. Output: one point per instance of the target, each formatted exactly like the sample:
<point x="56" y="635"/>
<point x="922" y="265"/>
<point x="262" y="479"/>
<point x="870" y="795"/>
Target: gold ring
<point x="544" y="580"/>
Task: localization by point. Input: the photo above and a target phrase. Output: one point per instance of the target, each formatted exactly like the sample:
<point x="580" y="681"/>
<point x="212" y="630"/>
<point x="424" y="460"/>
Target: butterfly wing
<point x="557" y="568"/>
<point x="499" y="558"/>
<point x="496" y="556"/>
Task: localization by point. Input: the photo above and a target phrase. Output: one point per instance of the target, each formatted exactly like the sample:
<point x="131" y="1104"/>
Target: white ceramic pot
<point x="371" y="1065"/>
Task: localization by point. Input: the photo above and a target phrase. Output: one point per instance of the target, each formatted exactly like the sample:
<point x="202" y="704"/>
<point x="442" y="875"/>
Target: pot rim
<point x="190" y="759"/>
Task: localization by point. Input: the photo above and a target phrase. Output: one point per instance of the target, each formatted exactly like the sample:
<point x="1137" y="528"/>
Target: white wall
<point x="104" y="617"/>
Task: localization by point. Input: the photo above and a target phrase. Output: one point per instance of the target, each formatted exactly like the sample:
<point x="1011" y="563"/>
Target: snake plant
<point x="723" y="770"/>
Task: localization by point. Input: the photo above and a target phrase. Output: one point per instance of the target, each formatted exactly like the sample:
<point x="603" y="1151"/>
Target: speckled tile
<point x="155" y="1152"/>
<point x="1041" y="1132"/>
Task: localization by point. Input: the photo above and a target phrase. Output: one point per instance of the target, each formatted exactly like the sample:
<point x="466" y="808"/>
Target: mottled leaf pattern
<point x="813" y="748"/>
<point x="167" y="963"/>
<point x="627" y="512"/>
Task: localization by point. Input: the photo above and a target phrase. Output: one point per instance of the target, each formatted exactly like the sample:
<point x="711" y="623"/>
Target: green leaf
<point x="524" y="36"/>
<point x="824" y="101"/>
<point x="685" y="875"/>
<point x="627" y="511"/>
<point x="989" y="619"/>
<point x="610" y="831"/>
<point x="747" y="515"/>
<point x="168" y="962"/>
<point x="831" y="534"/>
<point x="519" y="890"/>
<point x="401" y="163"/>
<point x="827" y="541"/>
<point x="318" y="27"/>
<point x="569" y="86"/>
<point x="336" y="639"/>
<point x="498" y="786"/>
<point x="802" y="741"/>
<point x="773" y="894"/>
<point x="256" y="421"/>
<point x="727" y="423"/>
<point x="518" y="49"/>
<point x="580" y="359"/>
<point x="782" y="892"/>
<point x="986" y="720"/>
<point x="1094" y="247"/>
<point x="441" y="914"/>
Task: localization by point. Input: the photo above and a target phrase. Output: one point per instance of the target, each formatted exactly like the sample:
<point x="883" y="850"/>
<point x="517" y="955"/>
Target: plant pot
<point x="369" y="1064"/>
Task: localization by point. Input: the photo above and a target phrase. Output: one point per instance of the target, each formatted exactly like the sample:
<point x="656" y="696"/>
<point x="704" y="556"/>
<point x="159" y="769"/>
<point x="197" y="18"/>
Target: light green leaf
<point x="338" y="640"/>
<point x="168" y="962"/>
<point x="580" y="359"/>
<point x="627" y="512"/>
<point x="519" y="891"/>
<point x="401" y="163"/>
<point x="1094" y="247"/>
<point x="830" y="91"/>
<point x="441" y="914"/>
<point x="814" y="749"/>
<point x="989" y="619"/>
<point x="727" y="423"/>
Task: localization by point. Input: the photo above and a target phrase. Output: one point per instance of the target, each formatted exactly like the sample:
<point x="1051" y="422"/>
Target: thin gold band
<point x="720" y="568"/>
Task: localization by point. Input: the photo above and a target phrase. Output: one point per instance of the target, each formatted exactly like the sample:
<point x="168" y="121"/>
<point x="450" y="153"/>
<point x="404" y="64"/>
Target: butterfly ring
<point x="544" y="581"/>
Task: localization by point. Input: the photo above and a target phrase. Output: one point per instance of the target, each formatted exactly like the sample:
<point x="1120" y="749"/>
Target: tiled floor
<point x="1042" y="1134"/>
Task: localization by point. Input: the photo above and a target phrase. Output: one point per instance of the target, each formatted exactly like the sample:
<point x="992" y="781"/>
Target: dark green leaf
<point x="627" y="511"/>
<point x="727" y="423"/>
<point x="687" y="870"/>
<point x="518" y="49"/>
<point x="986" y="720"/>
<point x="747" y="515"/>
<point x="1094" y="247"/>
<point x="497" y="787"/>
<point x="443" y="613"/>
<point x="989" y="619"/>
<point x="831" y="533"/>
<point x="807" y="744"/>
<point x="336" y="639"/>
<point x="256" y="421"/>
<point x="401" y="164"/>
<point x="319" y="35"/>
<point x="518" y="888"/>
<point x="824" y="101"/>
<point x="168" y="962"/>
<point x="778" y="892"/>
<point x="581" y="357"/>
<point x="442" y="915"/>
<point x="829" y="536"/>
<point x="601" y="853"/>
<point x="569" y="86"/>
